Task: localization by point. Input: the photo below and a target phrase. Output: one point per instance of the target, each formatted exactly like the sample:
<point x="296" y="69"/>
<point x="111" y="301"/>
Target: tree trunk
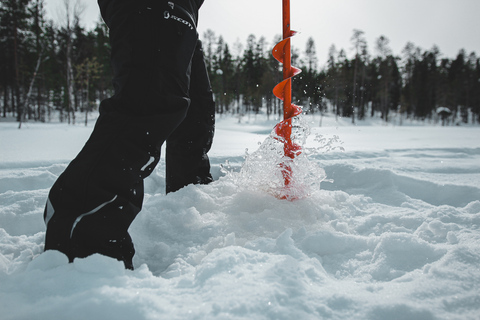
<point x="88" y="95"/>
<point x="30" y="89"/>
<point x="70" y="89"/>
<point x="15" y="57"/>
<point x="354" y="88"/>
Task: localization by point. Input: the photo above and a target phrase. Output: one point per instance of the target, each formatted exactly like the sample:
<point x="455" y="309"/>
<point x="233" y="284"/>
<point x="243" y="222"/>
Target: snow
<point x="392" y="233"/>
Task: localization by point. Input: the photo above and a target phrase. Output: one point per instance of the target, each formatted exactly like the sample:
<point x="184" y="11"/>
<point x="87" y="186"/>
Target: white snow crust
<point x="393" y="232"/>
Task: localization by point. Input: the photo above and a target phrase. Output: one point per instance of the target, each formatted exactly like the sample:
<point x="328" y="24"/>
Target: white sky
<point x="450" y="24"/>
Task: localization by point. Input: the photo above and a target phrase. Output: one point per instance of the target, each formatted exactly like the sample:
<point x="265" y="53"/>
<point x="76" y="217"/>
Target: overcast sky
<point x="450" y="24"/>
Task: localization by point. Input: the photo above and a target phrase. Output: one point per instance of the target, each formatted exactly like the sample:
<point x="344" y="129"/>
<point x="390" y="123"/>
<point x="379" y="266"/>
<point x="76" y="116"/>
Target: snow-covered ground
<point x="393" y="233"/>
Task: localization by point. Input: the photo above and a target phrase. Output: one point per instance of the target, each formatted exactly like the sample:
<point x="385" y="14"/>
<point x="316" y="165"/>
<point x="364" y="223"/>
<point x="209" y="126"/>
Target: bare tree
<point x="29" y="92"/>
<point x="73" y="11"/>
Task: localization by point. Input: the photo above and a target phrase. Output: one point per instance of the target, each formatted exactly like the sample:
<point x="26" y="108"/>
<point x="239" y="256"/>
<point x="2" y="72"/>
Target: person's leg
<point x="94" y="201"/>
<point x="187" y="147"/>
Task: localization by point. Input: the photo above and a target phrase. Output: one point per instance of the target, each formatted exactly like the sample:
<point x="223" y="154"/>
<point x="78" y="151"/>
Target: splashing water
<point x="326" y="144"/>
<point x="263" y="169"/>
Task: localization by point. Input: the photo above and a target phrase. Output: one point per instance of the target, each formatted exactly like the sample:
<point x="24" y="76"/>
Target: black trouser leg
<point x="94" y="201"/>
<point x="187" y="147"/>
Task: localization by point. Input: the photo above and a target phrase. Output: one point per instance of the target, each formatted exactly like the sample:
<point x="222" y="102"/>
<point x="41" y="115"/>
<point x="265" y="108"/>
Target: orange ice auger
<point x="283" y="91"/>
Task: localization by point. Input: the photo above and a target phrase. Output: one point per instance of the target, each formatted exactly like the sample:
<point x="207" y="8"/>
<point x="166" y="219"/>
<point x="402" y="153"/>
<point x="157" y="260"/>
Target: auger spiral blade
<point x="283" y="91"/>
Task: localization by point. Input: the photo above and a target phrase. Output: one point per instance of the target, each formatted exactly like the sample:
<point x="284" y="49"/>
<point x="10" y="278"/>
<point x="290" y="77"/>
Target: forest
<point x="61" y="71"/>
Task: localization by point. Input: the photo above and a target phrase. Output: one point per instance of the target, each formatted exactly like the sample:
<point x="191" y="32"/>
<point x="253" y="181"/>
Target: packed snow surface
<point x="390" y="230"/>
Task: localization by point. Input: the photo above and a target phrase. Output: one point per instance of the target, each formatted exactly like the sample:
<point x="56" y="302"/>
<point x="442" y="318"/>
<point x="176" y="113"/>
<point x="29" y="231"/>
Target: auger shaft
<point x="287" y="59"/>
<point x="283" y="90"/>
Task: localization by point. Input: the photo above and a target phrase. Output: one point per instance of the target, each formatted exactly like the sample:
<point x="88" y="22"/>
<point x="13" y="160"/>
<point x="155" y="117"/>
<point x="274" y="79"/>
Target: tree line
<point x="417" y="85"/>
<point x="49" y="70"/>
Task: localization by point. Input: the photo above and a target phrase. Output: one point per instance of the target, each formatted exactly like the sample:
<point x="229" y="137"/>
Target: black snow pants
<point x="162" y="94"/>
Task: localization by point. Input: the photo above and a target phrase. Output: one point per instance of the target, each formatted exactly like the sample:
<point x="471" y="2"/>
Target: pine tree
<point x="386" y="68"/>
<point x="14" y="24"/>
<point x="209" y="41"/>
<point x="410" y="57"/>
<point x="476" y="90"/>
<point x="38" y="31"/>
<point x="253" y="68"/>
<point x="424" y="83"/>
<point x="359" y="42"/>
<point x="332" y="82"/>
<point x="222" y="77"/>
<point x="364" y="57"/>
<point x="310" y="87"/>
